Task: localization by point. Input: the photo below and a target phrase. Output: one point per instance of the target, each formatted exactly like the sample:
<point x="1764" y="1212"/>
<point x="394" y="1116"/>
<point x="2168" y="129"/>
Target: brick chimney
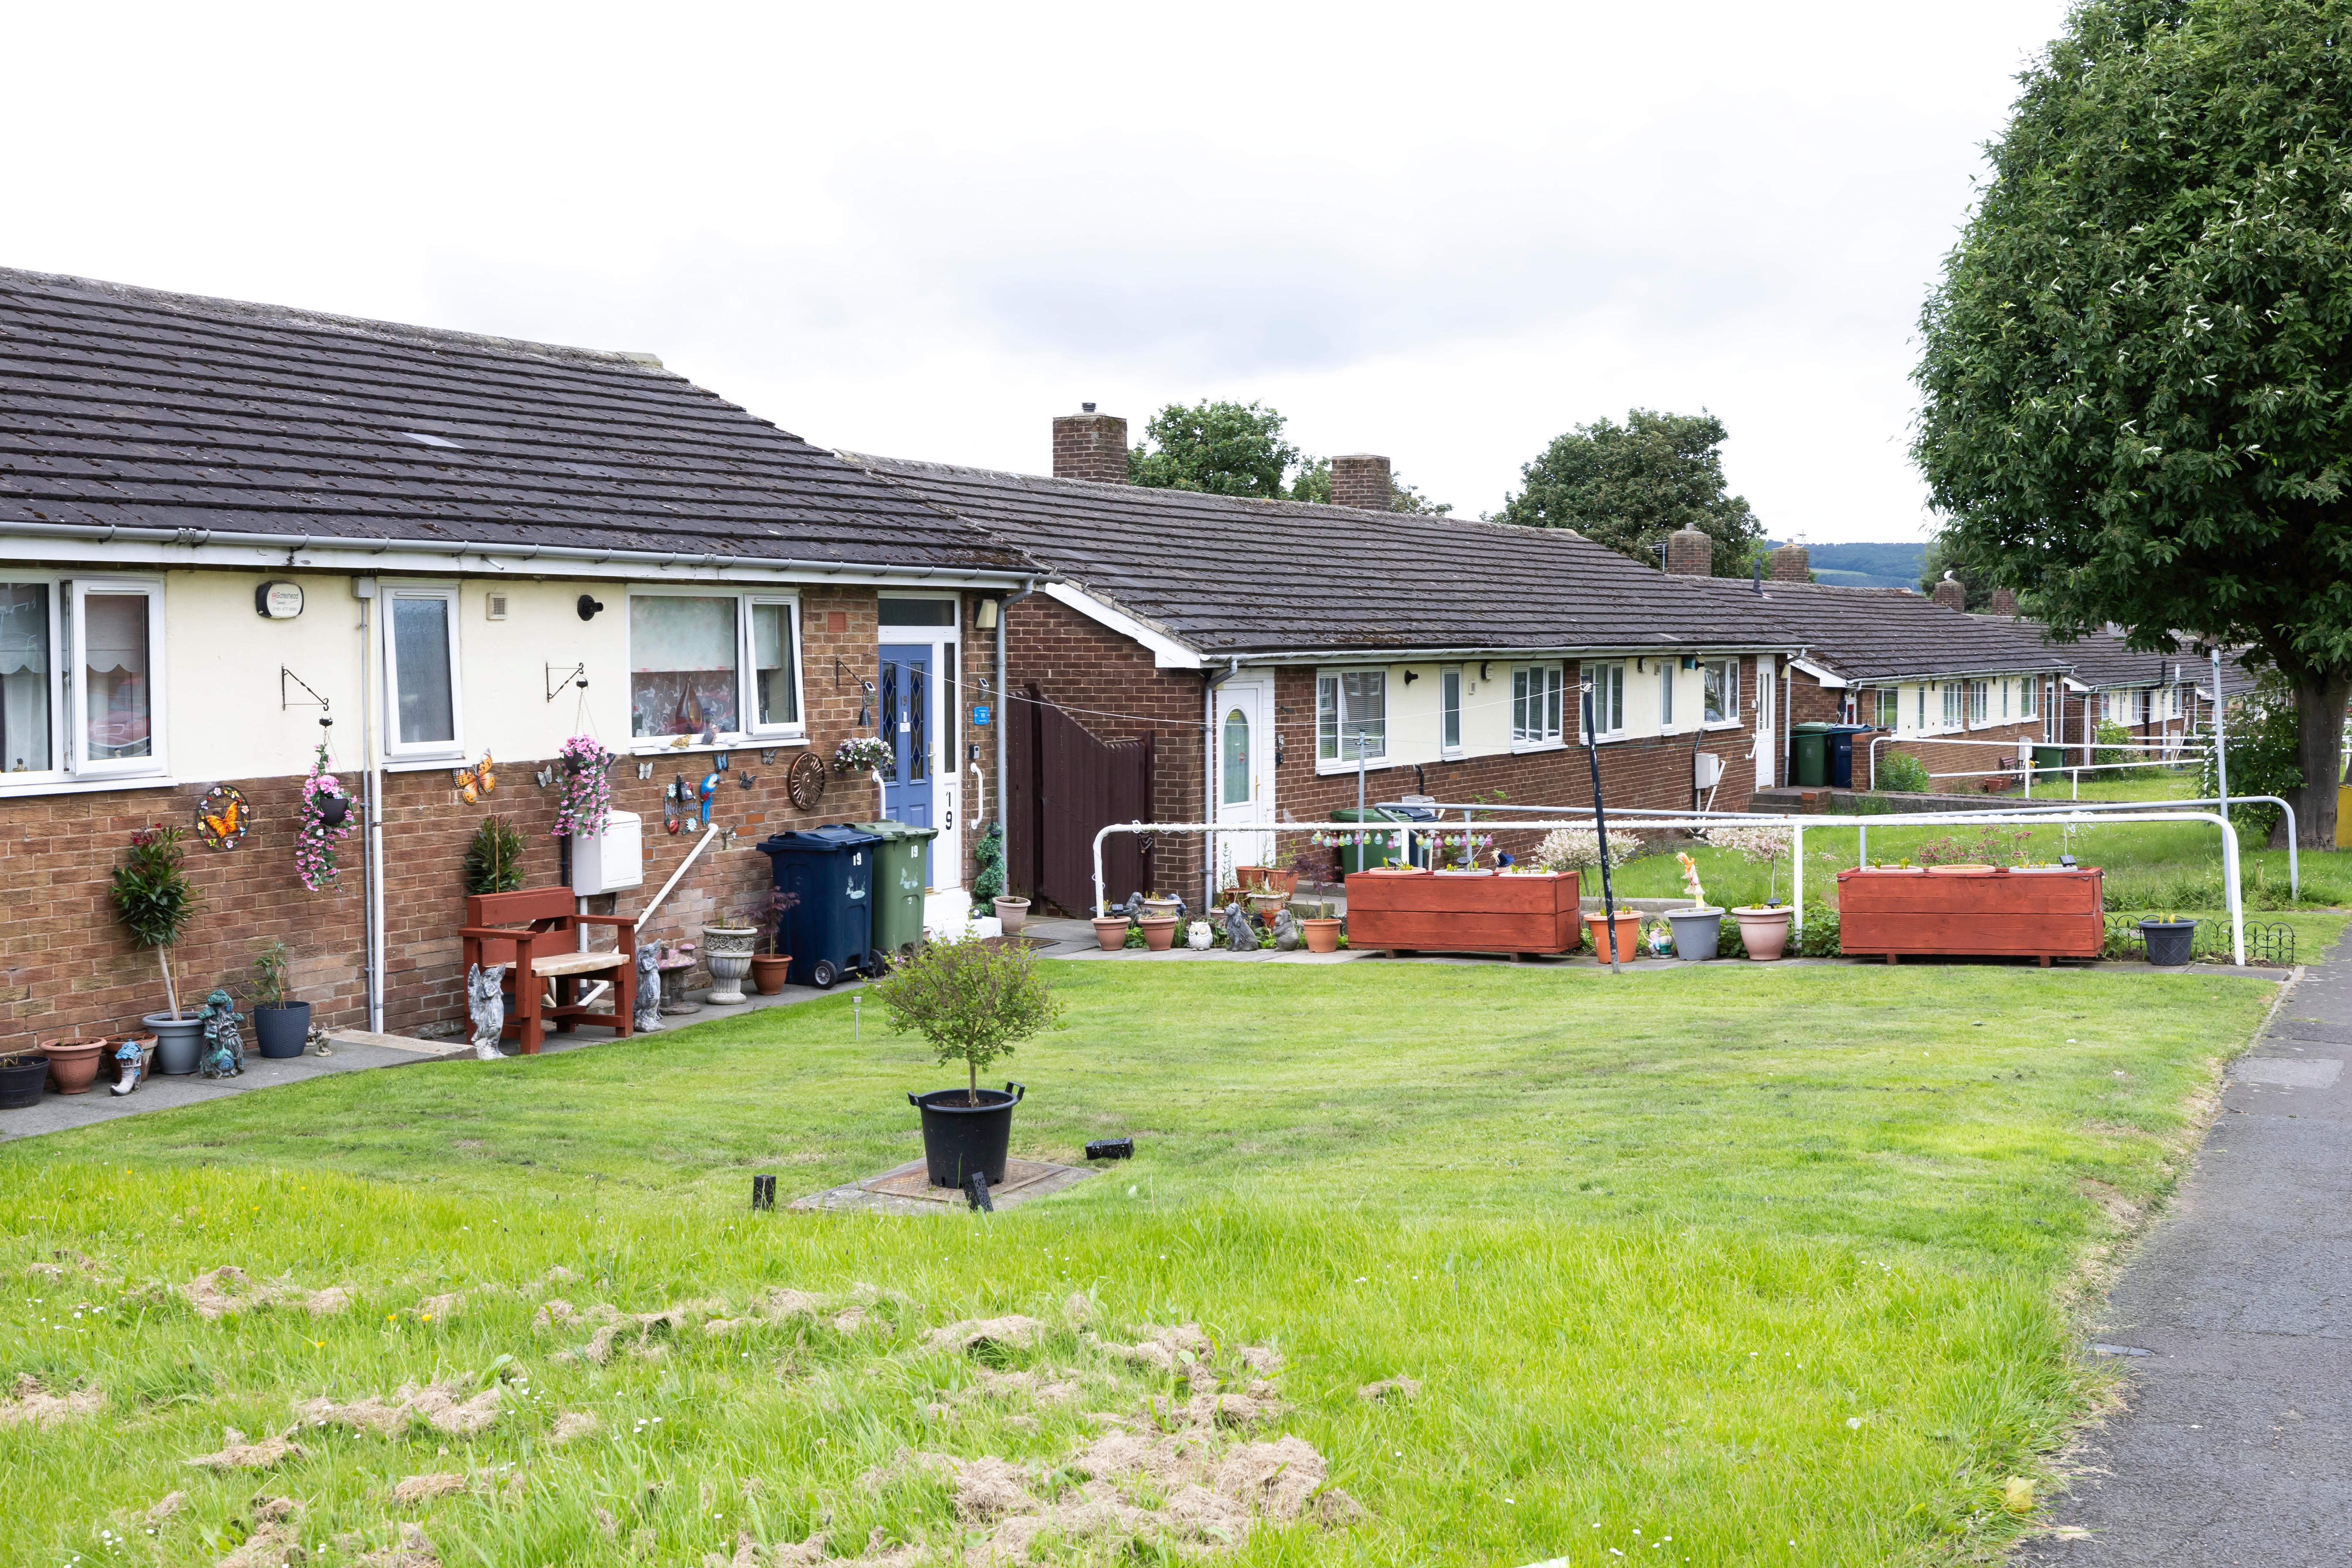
<point x="1690" y="553"/>
<point x="1090" y="446"/>
<point x="1361" y="480"/>
<point x="1950" y="594"/>
<point x="2004" y="603"/>
<point x="1791" y="563"/>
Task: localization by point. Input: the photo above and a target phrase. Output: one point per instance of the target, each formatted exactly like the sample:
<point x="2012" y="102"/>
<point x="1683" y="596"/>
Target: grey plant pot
<point x="1699" y="933"/>
<point x="178" y="1042"/>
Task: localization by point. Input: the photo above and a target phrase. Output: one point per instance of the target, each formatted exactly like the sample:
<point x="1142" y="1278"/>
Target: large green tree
<point x="2137" y="368"/>
<point x="1224" y="448"/>
<point x="1628" y="486"/>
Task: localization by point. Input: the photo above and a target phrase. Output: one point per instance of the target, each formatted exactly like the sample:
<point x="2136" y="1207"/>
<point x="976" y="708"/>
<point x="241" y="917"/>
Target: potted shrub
<point x="768" y="967"/>
<point x="2167" y="940"/>
<point x="282" y="1027"/>
<point x="23" y="1076"/>
<point x="494" y="857"/>
<point x="153" y="900"/>
<point x="1159" y="931"/>
<point x="973" y="1002"/>
<point x="1699" y="930"/>
<point x="1763" y="928"/>
<point x="1321" y="929"/>
<point x="1162" y="906"/>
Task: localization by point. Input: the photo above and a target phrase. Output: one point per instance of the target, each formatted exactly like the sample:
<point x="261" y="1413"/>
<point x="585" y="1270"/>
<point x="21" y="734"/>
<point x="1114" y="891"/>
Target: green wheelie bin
<point x="1813" y="744"/>
<point x="898" y="884"/>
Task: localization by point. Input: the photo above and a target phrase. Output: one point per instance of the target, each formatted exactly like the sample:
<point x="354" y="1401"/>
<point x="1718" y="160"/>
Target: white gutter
<point x="118" y="545"/>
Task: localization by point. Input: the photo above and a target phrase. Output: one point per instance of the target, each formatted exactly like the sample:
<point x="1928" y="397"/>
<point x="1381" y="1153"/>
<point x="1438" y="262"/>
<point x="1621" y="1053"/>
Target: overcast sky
<point x="1442" y="232"/>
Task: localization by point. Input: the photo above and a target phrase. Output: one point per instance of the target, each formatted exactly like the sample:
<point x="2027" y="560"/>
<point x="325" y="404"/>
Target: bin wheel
<point x="877" y="962"/>
<point x="822" y="975"/>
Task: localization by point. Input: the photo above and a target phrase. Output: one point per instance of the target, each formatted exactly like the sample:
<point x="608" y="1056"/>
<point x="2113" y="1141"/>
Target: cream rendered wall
<point x="1486" y="708"/>
<point x="1412" y="714"/>
<point x="223" y="713"/>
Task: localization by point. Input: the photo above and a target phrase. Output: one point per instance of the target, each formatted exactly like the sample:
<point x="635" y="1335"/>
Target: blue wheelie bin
<point x="830" y="932"/>
<point x="1840" y="744"/>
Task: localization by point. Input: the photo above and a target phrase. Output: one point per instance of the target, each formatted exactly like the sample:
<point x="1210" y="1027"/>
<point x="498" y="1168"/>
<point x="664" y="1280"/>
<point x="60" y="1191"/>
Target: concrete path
<point x="2236" y="1447"/>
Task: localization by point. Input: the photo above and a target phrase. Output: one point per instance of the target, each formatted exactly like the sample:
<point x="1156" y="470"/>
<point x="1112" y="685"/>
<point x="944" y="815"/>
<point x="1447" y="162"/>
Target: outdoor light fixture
<point x="976" y="1190"/>
<point x="1111" y="1149"/>
<point x="984" y="613"/>
<point x="588" y="605"/>
<point x="764" y="1191"/>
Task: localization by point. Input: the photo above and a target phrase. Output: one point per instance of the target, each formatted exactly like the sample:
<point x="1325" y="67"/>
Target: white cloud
<point x="1444" y="234"/>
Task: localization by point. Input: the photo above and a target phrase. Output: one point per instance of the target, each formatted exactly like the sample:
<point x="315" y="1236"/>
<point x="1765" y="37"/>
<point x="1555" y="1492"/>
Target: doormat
<point x="907" y="1189"/>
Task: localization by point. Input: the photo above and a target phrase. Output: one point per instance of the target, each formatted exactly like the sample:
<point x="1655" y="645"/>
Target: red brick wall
<point x="65" y="962"/>
<point x="1811" y="702"/>
<point x="1107" y="682"/>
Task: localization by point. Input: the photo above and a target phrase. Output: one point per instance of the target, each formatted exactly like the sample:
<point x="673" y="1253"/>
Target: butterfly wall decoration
<point x="478" y="781"/>
<point x="222" y="816"/>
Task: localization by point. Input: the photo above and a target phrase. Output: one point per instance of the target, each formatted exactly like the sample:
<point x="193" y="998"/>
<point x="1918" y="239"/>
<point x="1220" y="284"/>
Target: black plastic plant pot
<point x="2168" y="942"/>
<point x="22" y="1078"/>
<point x="283" y="1031"/>
<point x="960" y="1137"/>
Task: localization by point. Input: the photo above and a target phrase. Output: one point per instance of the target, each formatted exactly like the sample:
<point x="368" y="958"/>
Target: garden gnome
<point x="1238" y="930"/>
<point x="224" y="1044"/>
<point x="648" y="1001"/>
<point x="1287" y="936"/>
<point x="486" y="1000"/>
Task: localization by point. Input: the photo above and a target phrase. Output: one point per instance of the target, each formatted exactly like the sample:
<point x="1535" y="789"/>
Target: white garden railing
<point x="2174" y="753"/>
<point x="1798" y="827"/>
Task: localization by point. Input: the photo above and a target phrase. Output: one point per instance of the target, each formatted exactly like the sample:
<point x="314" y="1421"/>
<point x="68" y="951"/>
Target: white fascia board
<point x="1167" y="653"/>
<point x="1819" y="673"/>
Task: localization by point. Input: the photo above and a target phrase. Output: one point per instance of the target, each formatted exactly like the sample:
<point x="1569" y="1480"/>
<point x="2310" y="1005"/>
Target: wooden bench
<point x="536" y="933"/>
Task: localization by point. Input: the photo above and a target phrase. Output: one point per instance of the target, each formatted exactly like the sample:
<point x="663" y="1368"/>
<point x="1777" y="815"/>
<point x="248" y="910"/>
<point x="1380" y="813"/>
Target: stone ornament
<point x="485" y="1002"/>
<point x="649" y="999"/>
<point x="1238" y="930"/>
<point x="223" y="1053"/>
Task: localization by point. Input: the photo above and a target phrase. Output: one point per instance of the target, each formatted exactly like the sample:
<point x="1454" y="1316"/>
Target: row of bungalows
<point x="222" y="524"/>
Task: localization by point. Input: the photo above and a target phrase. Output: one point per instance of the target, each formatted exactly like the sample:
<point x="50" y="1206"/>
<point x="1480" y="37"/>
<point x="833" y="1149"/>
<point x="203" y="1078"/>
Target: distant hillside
<point x="1867" y="565"/>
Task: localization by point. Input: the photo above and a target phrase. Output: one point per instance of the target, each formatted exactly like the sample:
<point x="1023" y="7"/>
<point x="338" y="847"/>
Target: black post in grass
<point x="1599" y="825"/>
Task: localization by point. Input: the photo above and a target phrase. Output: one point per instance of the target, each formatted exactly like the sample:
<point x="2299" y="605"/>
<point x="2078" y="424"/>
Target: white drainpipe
<point x="364" y="589"/>
<point x="1003" y="721"/>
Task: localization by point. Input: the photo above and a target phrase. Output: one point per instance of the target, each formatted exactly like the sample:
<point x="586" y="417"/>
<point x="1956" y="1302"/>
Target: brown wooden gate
<point x="1065" y="785"/>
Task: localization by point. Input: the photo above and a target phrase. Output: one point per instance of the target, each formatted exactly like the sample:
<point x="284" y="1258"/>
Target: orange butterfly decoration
<point x="478" y="781"/>
<point x="225" y="822"/>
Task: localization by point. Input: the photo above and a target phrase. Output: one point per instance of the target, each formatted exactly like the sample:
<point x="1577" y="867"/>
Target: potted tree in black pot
<point x="153" y="898"/>
<point x="971" y="1002"/>
<point x="282" y="1026"/>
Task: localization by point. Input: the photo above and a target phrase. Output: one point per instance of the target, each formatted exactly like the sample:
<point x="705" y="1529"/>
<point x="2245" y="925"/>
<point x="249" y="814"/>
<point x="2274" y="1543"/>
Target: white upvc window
<point x="721" y="667"/>
<point x="2027" y="691"/>
<point x="1889" y="715"/>
<point x="1536" y="694"/>
<point x="1979" y="701"/>
<point x="423" y="713"/>
<point x="1607" y="682"/>
<point x="81" y="680"/>
<point x="1351" y="717"/>
<point x="1721" y="684"/>
<point x="1951" y="694"/>
<point x="1923" y="707"/>
<point x="1667" y="669"/>
<point x="1449" y="711"/>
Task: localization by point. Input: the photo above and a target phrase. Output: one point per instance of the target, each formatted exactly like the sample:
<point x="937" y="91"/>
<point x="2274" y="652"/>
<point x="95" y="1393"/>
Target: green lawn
<point x="1773" y="1262"/>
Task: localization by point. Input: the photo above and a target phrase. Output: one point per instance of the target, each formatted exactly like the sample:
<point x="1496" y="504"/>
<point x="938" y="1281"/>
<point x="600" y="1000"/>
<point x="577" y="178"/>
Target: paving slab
<point x="2235" y="1443"/>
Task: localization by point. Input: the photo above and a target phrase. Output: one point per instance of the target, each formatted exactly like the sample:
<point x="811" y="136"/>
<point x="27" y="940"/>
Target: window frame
<point x="1730" y="668"/>
<point x="1595" y="669"/>
<point x="430" y="752"/>
<point x="1889" y="709"/>
<point x="1979" y="703"/>
<point x="79" y="763"/>
<point x="747" y="686"/>
<point x="58" y="772"/>
<point x="2028" y="698"/>
<point x="1449" y="709"/>
<point x="1333" y="680"/>
<point x="1668" y="669"/>
<point x="1539" y="698"/>
<point x="1953" y="707"/>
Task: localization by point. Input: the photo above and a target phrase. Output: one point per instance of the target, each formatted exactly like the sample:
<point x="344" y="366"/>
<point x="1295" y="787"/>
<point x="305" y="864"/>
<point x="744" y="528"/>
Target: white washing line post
<point x="2043" y="817"/>
<point x="709" y="835"/>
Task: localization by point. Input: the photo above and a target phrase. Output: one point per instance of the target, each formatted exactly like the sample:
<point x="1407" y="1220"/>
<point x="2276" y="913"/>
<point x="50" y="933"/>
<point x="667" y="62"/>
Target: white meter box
<point x="614" y="858"/>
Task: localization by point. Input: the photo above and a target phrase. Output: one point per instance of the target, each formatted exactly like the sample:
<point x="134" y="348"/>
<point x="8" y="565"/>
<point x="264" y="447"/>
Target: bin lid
<point x="895" y="830"/>
<point x="1384" y="814"/>
<point x="817" y="838"/>
<point x="1815" y="729"/>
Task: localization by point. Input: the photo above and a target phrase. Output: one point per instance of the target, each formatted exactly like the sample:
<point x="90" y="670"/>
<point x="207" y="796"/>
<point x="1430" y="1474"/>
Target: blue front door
<point x="906" y="722"/>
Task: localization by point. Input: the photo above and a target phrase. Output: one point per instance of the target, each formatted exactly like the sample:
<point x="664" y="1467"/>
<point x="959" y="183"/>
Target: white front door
<point x="1244" y="771"/>
<point x="1766" y="743"/>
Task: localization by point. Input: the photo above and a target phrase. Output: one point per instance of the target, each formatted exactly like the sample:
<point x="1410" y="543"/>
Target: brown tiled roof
<point x="2100" y="659"/>
<point x="138" y="408"/>
<point x="1890" y="634"/>
<point x="1228" y="576"/>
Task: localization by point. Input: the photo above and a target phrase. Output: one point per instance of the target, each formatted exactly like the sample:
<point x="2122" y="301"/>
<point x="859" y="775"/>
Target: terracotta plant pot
<point x="1628" y="935"/>
<point x="1012" y="913"/>
<point x="1159" y="931"/>
<point x="1266" y="905"/>
<point x="1251" y="877"/>
<point x="1322" y="936"/>
<point x="1161" y="909"/>
<point x="1283" y="882"/>
<point x="768" y="972"/>
<point x="73" y="1064"/>
<point x="1110" y="931"/>
<point x="1764" y="932"/>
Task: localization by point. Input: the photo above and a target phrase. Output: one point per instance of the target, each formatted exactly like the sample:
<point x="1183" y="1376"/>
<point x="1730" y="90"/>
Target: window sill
<point x="1722" y="724"/>
<point x="1528" y="748"/>
<point x="641" y="747"/>
<point x="84" y="787"/>
<point x="427" y="764"/>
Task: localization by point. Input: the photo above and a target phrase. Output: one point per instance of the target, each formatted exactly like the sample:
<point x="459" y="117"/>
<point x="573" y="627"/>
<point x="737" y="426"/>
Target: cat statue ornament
<point x="485" y="1002"/>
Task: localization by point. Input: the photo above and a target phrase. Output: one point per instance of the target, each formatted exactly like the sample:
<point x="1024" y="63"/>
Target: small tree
<point x="971" y="1000"/>
<point x="153" y="898"/>
<point x="1764" y="846"/>
<point x="494" y="857"/>
<point x="1578" y="849"/>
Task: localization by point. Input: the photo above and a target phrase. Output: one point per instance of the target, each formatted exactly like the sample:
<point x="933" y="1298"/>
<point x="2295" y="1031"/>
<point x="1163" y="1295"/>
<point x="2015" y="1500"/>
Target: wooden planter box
<point x="2015" y="914"/>
<point x="1419" y="911"/>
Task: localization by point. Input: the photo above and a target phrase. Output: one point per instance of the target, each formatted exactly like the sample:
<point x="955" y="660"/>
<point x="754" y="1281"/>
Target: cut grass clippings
<point x="1775" y="1263"/>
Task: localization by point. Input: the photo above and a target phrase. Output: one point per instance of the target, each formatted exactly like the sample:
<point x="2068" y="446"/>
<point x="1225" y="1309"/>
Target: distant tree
<point x="1628" y="486"/>
<point x="2133" y="373"/>
<point x="1221" y="448"/>
<point x="1952" y="556"/>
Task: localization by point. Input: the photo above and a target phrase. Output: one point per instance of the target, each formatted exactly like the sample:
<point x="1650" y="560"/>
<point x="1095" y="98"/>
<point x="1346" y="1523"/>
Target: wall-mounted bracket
<point x="576" y="675"/>
<point x="285" y="698"/>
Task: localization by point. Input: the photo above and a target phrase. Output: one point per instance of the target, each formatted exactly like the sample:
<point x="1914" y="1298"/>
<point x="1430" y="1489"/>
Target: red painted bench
<point x="536" y="933"/>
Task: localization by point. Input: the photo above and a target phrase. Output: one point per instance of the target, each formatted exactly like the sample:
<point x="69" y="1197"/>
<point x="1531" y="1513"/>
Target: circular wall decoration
<point x="806" y="779"/>
<point x="222" y="816"/>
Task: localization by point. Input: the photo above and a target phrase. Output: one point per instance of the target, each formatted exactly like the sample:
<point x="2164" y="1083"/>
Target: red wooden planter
<point x="2019" y="914"/>
<point x="1419" y="911"/>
